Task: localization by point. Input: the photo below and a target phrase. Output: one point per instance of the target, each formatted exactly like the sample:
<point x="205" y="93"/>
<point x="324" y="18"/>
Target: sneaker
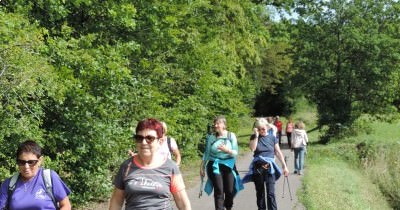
<point x="295" y="172"/>
<point x="300" y="173"/>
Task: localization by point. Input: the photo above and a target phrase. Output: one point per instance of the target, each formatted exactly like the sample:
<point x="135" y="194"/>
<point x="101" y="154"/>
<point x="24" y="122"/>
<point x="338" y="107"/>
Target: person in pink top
<point x="289" y="130"/>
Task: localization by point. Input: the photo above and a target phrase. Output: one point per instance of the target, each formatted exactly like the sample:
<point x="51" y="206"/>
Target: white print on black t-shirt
<point x="145" y="183"/>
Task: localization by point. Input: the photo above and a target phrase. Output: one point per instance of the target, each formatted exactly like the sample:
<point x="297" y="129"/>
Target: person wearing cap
<point x="263" y="170"/>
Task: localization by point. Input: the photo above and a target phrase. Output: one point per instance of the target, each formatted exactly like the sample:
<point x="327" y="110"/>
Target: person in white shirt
<point x="169" y="146"/>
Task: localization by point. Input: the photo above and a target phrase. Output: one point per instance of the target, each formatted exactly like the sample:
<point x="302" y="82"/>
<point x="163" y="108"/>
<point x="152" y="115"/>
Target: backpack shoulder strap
<point x="49" y="185"/>
<point x="11" y="188"/>
<point x="169" y="144"/>
<point x="128" y="168"/>
<point x="13" y="182"/>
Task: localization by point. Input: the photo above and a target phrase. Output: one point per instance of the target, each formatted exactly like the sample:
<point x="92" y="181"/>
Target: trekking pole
<point x="201" y="186"/>
<point x="286" y="179"/>
<point x="290" y="192"/>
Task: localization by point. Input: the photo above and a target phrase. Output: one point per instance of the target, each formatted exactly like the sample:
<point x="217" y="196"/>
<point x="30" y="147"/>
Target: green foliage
<point x="28" y="86"/>
<point x="347" y="52"/>
<point x="79" y="75"/>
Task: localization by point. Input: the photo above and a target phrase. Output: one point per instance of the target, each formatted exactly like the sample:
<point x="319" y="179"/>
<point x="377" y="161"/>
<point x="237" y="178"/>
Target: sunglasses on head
<point x="24" y="162"/>
<point x="149" y="139"/>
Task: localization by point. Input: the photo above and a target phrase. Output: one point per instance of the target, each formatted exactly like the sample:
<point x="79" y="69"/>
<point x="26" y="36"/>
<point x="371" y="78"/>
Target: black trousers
<point x="223" y="186"/>
<point x="289" y="139"/>
<point x="269" y="180"/>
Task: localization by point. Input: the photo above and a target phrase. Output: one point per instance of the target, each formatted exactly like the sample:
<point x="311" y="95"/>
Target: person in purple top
<point x="30" y="190"/>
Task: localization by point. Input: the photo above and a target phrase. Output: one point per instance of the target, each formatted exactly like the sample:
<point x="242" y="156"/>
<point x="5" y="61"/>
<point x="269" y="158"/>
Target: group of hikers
<point x="151" y="174"/>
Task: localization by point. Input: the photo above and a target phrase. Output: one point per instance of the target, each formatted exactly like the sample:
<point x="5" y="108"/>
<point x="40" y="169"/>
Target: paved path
<point x="246" y="199"/>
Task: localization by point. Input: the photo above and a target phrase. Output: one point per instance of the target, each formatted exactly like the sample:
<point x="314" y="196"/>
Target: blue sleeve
<point x="60" y="189"/>
<point x="275" y="140"/>
<point x="3" y="193"/>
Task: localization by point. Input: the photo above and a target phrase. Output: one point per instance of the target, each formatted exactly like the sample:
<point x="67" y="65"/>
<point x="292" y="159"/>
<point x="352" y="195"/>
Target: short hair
<point x="164" y="125"/>
<point x="29" y="146"/>
<point x="300" y="125"/>
<point x="152" y="124"/>
<point x="261" y="122"/>
<point x="270" y="119"/>
<point x="220" y="118"/>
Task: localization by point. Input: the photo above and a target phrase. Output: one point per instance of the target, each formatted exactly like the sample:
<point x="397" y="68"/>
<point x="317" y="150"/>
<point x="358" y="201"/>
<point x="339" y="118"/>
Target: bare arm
<point x="254" y="140"/>
<point x="182" y="200"/>
<point x="65" y="204"/>
<point x="279" y="154"/>
<point x="202" y="167"/>
<point x="117" y="199"/>
<point x="177" y="155"/>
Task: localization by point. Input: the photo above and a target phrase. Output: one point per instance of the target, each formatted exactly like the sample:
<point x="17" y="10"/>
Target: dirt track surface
<point x="246" y="199"/>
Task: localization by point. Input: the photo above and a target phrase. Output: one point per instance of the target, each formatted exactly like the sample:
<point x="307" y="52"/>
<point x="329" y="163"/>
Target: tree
<point x="28" y="85"/>
<point x="347" y="53"/>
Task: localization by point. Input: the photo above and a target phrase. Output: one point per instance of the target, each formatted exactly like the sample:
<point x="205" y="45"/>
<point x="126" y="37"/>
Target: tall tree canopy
<point x="347" y="56"/>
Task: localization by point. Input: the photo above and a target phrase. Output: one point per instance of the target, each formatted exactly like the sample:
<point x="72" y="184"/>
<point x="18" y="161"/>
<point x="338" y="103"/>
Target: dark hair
<point x="152" y="124"/>
<point x="29" y="146"/>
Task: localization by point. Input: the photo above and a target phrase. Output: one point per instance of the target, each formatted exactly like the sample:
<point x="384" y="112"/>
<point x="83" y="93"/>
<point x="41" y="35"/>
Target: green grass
<point x="336" y="178"/>
<point x="332" y="184"/>
<point x="381" y="132"/>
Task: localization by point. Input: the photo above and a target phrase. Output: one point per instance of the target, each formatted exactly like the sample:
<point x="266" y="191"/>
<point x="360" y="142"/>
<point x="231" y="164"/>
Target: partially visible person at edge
<point x="30" y="189"/>
<point x="289" y="130"/>
<point x="263" y="170"/>
<point x="219" y="162"/>
<point x="299" y="145"/>
<point x="171" y="148"/>
<point x="146" y="179"/>
<point x="278" y="125"/>
<point x="273" y="130"/>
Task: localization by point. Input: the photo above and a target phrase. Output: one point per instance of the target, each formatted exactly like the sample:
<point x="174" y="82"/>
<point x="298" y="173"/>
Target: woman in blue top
<point x="219" y="162"/>
<point x="30" y="190"/>
<point x="263" y="169"/>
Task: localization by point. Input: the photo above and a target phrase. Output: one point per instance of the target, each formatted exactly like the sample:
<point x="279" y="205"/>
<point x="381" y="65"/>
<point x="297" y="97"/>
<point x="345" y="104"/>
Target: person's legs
<point x="289" y="139"/>
<point x="279" y="136"/>
<point x="218" y="187"/>
<point x="301" y="159"/>
<point x="296" y="160"/>
<point x="270" y="184"/>
<point x="260" y="190"/>
<point x="228" y="183"/>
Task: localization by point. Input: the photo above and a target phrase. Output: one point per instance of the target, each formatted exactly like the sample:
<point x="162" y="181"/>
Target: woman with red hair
<point x="147" y="178"/>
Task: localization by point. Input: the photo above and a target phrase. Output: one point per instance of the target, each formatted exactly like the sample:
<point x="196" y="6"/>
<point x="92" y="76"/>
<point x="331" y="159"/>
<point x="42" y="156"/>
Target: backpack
<point x="169" y="144"/>
<point x="46" y="174"/>
<point x="228" y="138"/>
